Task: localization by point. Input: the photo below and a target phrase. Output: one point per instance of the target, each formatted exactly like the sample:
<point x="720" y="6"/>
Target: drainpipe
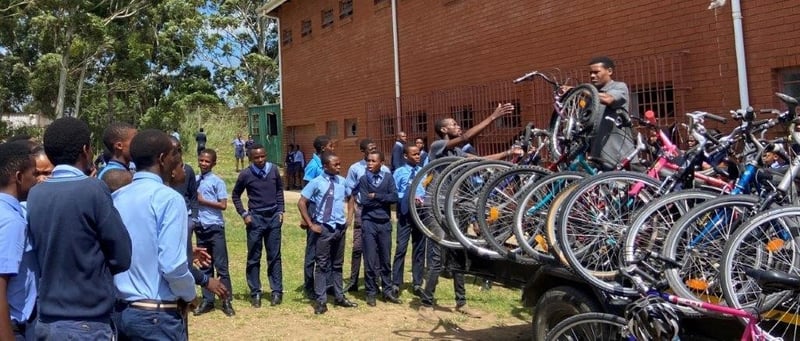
<point x="741" y="68"/>
<point x="280" y="61"/>
<point x="396" y="51"/>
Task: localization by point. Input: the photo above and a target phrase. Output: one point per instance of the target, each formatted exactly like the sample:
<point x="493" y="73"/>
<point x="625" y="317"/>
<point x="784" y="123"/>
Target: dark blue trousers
<point x="330" y="257"/>
<point x="377" y="246"/>
<point x="309" y="262"/>
<point x="73" y="330"/>
<point x="439" y="256"/>
<point x="405" y="231"/>
<point x="212" y="238"/>
<point x="138" y="324"/>
<point x="264" y="232"/>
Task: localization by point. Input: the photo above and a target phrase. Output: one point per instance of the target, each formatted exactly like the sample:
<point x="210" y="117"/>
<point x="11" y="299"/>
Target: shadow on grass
<point x="449" y="330"/>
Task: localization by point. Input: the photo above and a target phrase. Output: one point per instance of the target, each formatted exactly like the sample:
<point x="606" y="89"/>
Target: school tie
<point x="326" y="213"/>
<point x="413" y="174"/>
<point x="376" y="180"/>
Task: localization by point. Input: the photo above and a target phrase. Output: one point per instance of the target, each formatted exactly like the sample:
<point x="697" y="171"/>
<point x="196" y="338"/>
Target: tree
<point x="242" y="48"/>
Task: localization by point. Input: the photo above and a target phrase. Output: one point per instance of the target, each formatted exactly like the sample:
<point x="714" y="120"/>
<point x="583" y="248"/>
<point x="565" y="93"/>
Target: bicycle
<point x="656" y="314"/>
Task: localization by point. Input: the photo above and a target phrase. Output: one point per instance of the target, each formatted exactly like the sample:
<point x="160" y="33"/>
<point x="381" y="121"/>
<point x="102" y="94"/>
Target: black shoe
<point x="227" y="308"/>
<point x="371" y="301"/>
<point x="203" y="308"/>
<point x="255" y="301"/>
<point x="277" y="298"/>
<point x="418" y="291"/>
<point x="345" y="303"/>
<point x="320" y="308"/>
<point x="391" y="299"/>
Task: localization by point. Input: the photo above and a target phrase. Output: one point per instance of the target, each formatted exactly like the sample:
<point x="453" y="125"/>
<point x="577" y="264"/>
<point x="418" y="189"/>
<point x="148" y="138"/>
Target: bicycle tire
<point x="595" y="254"/>
<point x="422" y="214"/>
<point x="764" y="242"/>
<point x="448" y="175"/>
<point x="590" y="326"/>
<point x="552" y="221"/>
<point x="530" y="216"/>
<point x="582" y="101"/>
<point x="652" y="223"/>
<point x="497" y="203"/>
<point x="698" y="276"/>
<point x="460" y="206"/>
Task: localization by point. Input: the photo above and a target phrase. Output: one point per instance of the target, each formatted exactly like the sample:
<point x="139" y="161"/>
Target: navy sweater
<point x="377" y="209"/>
<point x="80" y="244"/>
<point x="262" y="194"/>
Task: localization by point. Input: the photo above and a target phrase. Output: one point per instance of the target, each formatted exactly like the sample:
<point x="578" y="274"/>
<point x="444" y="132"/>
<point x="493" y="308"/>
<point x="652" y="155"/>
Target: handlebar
<point x="530" y="75"/>
<point x="700" y="115"/>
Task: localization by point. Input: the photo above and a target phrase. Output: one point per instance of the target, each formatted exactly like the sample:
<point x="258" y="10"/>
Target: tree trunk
<point x="62" y="77"/>
<point x="80" y="89"/>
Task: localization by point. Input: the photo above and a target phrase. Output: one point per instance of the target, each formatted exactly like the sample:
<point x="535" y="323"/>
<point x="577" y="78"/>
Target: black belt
<point x="265" y="213"/>
<point x="18" y="328"/>
<point x="154" y="305"/>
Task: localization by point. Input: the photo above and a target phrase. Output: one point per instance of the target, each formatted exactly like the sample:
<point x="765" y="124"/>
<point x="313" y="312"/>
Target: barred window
<point x="305" y="28"/>
<point x="463" y="115"/>
<point x="327" y="18"/>
<point x="513" y="120"/>
<point x="345" y="9"/>
<point x="286" y="37"/>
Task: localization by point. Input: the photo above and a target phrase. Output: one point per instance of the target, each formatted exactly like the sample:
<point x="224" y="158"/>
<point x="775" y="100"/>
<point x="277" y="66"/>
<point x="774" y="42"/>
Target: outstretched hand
<point x="502" y="110"/>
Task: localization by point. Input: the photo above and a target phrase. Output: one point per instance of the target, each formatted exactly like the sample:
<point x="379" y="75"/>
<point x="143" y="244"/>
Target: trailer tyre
<point x="557" y="304"/>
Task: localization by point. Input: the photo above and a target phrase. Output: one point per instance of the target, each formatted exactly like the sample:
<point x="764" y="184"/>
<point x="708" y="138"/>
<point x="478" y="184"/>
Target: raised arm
<point x="500" y="111"/>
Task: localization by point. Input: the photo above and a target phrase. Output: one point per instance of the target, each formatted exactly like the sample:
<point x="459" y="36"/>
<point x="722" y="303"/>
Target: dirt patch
<point x="385" y="321"/>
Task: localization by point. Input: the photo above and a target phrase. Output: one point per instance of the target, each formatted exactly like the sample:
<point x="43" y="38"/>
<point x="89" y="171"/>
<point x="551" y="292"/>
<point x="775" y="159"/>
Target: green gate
<point x="265" y="124"/>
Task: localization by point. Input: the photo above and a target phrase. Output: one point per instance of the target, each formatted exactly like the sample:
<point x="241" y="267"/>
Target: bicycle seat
<point x="774" y="281"/>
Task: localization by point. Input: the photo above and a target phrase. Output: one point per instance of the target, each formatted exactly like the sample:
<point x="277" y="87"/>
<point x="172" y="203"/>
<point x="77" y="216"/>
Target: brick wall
<point x="445" y="44"/>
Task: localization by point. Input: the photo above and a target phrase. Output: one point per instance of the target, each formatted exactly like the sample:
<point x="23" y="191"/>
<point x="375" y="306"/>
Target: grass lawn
<point x="294" y="319"/>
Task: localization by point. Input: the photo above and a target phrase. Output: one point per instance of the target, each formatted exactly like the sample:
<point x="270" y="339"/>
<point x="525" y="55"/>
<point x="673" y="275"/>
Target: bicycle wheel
<point x="590" y="326"/>
<point x="594" y="221"/>
<point x="460" y="206"/>
<point x="496" y="204"/>
<point x="422" y="214"/>
<point x="448" y="176"/>
<point x="550" y="225"/>
<point x="697" y="240"/>
<point x="530" y="214"/>
<point x="767" y="241"/>
<point x="652" y="223"/>
<point x="582" y="101"/>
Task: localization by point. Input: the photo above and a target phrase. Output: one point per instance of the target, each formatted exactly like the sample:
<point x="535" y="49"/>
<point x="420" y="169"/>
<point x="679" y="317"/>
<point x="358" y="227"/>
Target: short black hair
<point x="326" y="157"/>
<point x="439" y="125"/>
<point x="212" y="153"/>
<point x="320" y="142"/>
<point x="201" y="130"/>
<point x="147" y="145"/>
<point x="14" y="157"/>
<point x="117" y="178"/>
<point x="405" y="149"/>
<point x="115" y="132"/>
<point x="607" y="62"/>
<point x="379" y="153"/>
<point x="258" y="146"/>
<point x="65" y="139"/>
<point x="291" y="145"/>
<point x="364" y="144"/>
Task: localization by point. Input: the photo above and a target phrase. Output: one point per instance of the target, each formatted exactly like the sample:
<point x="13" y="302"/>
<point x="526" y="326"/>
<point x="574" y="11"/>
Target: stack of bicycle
<point x="712" y="224"/>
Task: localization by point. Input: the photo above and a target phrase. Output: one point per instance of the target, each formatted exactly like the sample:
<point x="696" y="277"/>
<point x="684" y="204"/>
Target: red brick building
<point x="457" y="58"/>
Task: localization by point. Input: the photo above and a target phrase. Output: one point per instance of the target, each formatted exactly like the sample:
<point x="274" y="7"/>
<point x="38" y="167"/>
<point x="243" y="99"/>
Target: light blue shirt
<point x="354" y="173"/>
<point x="17" y="258"/>
<point x="212" y="188"/>
<point x="314" y="168"/>
<point x="112" y="164"/>
<point x="155" y="216"/>
<point x="315" y="192"/>
<point x="403" y="180"/>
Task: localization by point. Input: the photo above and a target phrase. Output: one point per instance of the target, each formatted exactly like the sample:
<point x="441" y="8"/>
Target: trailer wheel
<point x="557" y="304"/>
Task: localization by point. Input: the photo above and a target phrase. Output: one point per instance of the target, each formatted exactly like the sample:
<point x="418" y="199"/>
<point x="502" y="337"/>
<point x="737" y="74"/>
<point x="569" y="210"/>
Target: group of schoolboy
<point x="107" y="255"/>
